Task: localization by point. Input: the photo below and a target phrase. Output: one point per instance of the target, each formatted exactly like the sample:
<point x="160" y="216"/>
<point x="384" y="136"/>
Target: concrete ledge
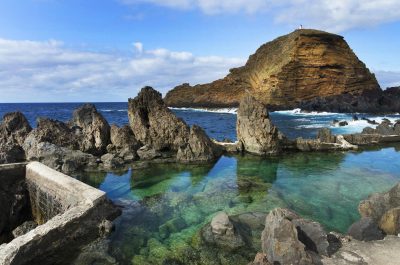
<point x="82" y="213"/>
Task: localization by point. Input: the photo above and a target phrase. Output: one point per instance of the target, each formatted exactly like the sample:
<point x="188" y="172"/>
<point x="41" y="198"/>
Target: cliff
<point x="295" y="70"/>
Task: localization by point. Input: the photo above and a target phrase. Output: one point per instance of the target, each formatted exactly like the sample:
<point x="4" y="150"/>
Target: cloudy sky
<point x="106" y="50"/>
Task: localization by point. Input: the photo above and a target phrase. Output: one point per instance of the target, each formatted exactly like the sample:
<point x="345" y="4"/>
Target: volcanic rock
<point x="13" y="131"/>
<point x="93" y="128"/>
<point x="159" y="130"/>
<point x="255" y="130"/>
<point x="123" y="143"/>
<point x="280" y="239"/>
<point x="309" y="69"/>
<point x="199" y="147"/>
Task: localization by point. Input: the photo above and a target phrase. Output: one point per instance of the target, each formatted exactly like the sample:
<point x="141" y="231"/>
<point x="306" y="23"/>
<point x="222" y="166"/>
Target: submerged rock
<point x="255" y="130"/>
<point x="92" y="128"/>
<point x="13" y="131"/>
<point x="223" y="233"/>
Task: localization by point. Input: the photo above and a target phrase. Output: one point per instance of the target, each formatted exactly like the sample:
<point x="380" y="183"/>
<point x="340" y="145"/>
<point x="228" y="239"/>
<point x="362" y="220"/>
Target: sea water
<point x="166" y="205"/>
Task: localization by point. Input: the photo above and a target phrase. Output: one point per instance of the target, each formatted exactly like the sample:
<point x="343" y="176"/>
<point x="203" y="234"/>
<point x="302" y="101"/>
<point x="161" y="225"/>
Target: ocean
<point x="219" y="124"/>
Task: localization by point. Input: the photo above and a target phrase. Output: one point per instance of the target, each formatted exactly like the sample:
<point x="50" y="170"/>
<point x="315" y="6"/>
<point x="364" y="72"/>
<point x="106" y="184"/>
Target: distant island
<point x="308" y="69"/>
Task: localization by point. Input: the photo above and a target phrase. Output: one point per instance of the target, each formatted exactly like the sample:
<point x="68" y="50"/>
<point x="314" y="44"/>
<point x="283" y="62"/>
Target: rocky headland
<point x="308" y="69"/>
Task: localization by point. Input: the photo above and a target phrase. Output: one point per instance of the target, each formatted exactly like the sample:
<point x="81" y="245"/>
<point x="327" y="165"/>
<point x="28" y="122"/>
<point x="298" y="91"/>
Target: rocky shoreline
<point x="155" y="134"/>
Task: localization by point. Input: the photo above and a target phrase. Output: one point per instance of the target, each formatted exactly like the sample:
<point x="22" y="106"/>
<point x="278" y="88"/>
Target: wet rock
<point x="362" y="139"/>
<point x="24" y="228"/>
<point x="199" y="148"/>
<point x="255" y="130"/>
<point x="280" y="239"/>
<point x="96" y="253"/>
<point x="148" y="153"/>
<point x="13" y="131"/>
<point x="223" y="233"/>
<point x="366" y="229"/>
<point x="93" y="129"/>
<point x="390" y="221"/>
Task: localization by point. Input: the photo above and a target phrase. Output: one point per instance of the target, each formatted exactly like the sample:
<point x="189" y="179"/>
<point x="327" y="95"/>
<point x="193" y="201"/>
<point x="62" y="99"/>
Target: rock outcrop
<point x="366" y="229"/>
<point x="255" y="131"/>
<point x="123" y="143"/>
<point x="159" y="130"/>
<point x="13" y="131"/>
<point x="310" y="69"/>
<point x="93" y="128"/>
<point x="383" y="209"/>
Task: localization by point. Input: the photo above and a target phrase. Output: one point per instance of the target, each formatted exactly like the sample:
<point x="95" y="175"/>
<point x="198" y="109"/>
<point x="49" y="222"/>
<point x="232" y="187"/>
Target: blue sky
<point x="106" y="50"/>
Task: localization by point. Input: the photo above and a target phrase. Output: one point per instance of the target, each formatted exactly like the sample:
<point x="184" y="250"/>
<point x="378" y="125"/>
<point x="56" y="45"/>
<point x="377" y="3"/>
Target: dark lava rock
<point x="366" y="229"/>
<point x="24" y="228"/>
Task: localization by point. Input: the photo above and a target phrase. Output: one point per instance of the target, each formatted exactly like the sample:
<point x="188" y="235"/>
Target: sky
<point x="106" y="50"/>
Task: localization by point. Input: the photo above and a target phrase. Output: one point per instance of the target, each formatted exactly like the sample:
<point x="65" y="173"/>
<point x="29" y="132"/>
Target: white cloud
<point x="332" y="15"/>
<point x="32" y="71"/>
<point x="388" y="78"/>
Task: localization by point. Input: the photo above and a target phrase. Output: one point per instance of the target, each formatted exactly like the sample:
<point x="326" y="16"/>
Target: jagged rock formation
<point x="311" y="69"/>
<point x="159" y="130"/>
<point x="13" y="131"/>
<point x="93" y="128"/>
<point x="255" y="130"/>
<point x="123" y="143"/>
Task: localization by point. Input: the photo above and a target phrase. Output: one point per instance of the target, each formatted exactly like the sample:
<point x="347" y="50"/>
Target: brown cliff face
<point x="290" y="70"/>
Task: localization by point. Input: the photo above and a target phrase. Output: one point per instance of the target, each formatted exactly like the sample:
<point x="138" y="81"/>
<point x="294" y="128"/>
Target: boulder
<point x="148" y="153"/>
<point x="280" y="239"/>
<point x="255" y="130"/>
<point x="366" y="229"/>
<point x="123" y="143"/>
<point x="111" y="161"/>
<point x="93" y="129"/>
<point x="313" y="235"/>
<point x="199" y="148"/>
<point x="390" y="221"/>
<point x="13" y="131"/>
<point x="223" y="233"/>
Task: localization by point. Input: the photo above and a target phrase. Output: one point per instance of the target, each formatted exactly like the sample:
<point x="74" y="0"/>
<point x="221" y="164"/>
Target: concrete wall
<point x="72" y="213"/>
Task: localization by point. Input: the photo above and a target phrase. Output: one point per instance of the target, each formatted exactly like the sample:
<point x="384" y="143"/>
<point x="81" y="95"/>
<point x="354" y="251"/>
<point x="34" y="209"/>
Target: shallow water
<point x="166" y="205"/>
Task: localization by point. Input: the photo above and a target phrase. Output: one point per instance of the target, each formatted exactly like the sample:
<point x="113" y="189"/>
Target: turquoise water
<point x="165" y="205"/>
